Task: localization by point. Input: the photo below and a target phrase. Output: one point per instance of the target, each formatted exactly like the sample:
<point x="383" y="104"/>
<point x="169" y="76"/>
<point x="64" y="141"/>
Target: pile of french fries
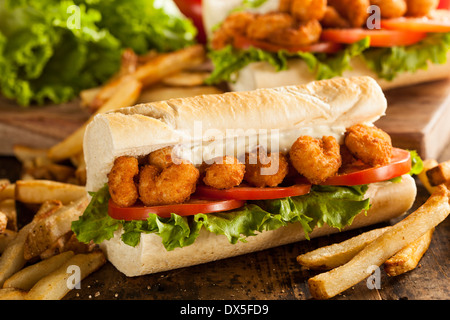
<point x="147" y="78"/>
<point x="398" y="247"/>
<point x="35" y="258"/>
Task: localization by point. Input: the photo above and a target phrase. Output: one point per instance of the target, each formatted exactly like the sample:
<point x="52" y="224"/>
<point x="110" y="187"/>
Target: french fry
<point x="7" y="191"/>
<point x="335" y="255"/>
<point x="26" y="278"/>
<point x="12" y="258"/>
<point x="407" y="259"/>
<point x="125" y="95"/>
<point x="12" y="294"/>
<point x="5" y="238"/>
<point x="56" y="285"/>
<point x="429" y="215"/>
<point x="8" y="207"/>
<point x="3" y="222"/>
<point x="48" y="230"/>
<point x="427" y="165"/>
<point x="439" y="174"/>
<point x="39" y="191"/>
<point x="170" y="63"/>
<point x="186" y="79"/>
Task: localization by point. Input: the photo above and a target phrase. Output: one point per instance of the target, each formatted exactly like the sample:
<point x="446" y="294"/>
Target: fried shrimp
<point x="174" y="184"/>
<point x="265" y="170"/>
<point x="122" y="187"/>
<point x="390" y="8"/>
<point x="332" y="19"/>
<point x="161" y="158"/>
<point x="371" y="145"/>
<point x="305" y="10"/>
<point x="420" y="8"/>
<point x="355" y="11"/>
<point x="224" y="174"/>
<point x="305" y="34"/>
<point x="264" y="25"/>
<point x="316" y="159"/>
<point x="234" y="24"/>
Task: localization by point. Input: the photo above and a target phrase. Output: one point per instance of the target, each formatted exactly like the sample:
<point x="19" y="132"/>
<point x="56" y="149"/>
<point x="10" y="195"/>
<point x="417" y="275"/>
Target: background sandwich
<point x="261" y="44"/>
<point x="162" y="200"/>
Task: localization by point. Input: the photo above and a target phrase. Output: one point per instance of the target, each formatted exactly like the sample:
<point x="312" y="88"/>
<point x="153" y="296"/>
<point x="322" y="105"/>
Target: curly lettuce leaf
<point x="335" y="205"/>
<point x="387" y="63"/>
<point x="46" y="56"/>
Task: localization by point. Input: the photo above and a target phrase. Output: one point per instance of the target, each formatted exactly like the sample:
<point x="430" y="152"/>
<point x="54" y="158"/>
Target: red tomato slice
<point x="400" y="165"/>
<point x="439" y="22"/>
<point x="192" y="207"/>
<point x="252" y="193"/>
<point x="444" y="4"/>
<point x="378" y="38"/>
<point x="193" y="10"/>
<point x="241" y="42"/>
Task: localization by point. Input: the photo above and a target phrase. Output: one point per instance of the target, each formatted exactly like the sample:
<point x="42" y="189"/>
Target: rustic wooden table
<point x="271" y="274"/>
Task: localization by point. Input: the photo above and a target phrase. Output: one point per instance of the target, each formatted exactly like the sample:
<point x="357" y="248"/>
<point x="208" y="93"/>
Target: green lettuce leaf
<point x="416" y="163"/>
<point x="334" y="205"/>
<point x="387" y="63"/>
<point x="229" y="61"/>
<point x="51" y="50"/>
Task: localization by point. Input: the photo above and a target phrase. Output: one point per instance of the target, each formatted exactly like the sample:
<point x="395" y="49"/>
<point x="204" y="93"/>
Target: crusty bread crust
<point x="388" y="200"/>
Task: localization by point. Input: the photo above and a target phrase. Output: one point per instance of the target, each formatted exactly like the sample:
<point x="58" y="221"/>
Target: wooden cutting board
<point x="418" y="117"/>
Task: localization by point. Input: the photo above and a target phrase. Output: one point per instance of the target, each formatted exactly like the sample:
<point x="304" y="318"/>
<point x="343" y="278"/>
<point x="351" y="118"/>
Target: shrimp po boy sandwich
<point x="271" y="43"/>
<point x="192" y="180"/>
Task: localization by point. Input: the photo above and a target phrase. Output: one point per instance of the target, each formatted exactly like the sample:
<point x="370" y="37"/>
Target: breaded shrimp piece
<point x="390" y="8"/>
<point x="355" y="11"/>
<point x="332" y="19"/>
<point x="224" y="174"/>
<point x="316" y="159"/>
<point x="264" y="25"/>
<point x="234" y="24"/>
<point x="122" y="188"/>
<point x="371" y="145"/>
<point x="161" y="158"/>
<point x="420" y="8"/>
<point x="305" y="34"/>
<point x="305" y="10"/>
<point x="174" y="184"/>
<point x="265" y="170"/>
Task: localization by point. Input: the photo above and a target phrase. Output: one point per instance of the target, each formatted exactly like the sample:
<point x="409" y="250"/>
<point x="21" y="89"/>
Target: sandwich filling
<point x="317" y="182"/>
<point x="390" y="36"/>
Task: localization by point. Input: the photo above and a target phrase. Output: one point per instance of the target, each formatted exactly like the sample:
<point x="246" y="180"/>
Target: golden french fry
<point x="3" y="222"/>
<point x="12" y="259"/>
<point x="407" y="259"/>
<point x="12" y="294"/>
<point x="430" y="214"/>
<point x="170" y="63"/>
<point x="186" y="79"/>
<point x="332" y="256"/>
<point x="58" y="283"/>
<point x="427" y="165"/>
<point x="125" y="95"/>
<point x="439" y="174"/>
<point x="49" y="229"/>
<point x="7" y="191"/>
<point x="38" y="191"/>
<point x="5" y="238"/>
<point x="8" y="207"/>
<point x="26" y="278"/>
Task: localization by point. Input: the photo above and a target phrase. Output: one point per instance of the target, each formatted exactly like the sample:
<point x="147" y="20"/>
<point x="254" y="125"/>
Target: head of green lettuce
<point x="50" y="50"/>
